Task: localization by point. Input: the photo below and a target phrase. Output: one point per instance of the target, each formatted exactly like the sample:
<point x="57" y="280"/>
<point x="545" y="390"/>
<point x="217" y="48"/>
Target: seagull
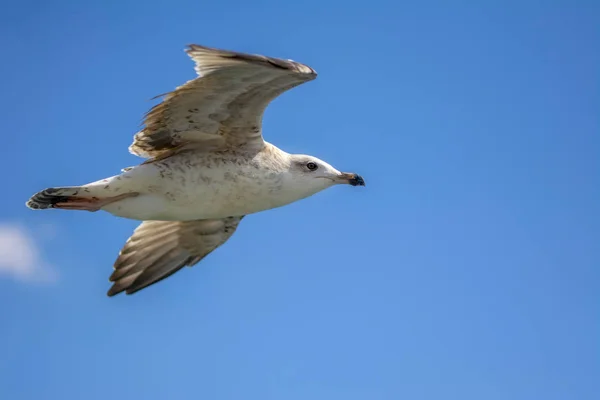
<point x="207" y="166"/>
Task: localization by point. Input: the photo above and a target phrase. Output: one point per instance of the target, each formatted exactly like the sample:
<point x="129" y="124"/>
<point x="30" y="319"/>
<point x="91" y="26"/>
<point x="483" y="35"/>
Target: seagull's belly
<point x="202" y="193"/>
<point x="219" y="199"/>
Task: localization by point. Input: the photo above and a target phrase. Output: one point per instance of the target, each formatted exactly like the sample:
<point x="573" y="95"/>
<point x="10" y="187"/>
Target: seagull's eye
<point x="312" y="166"/>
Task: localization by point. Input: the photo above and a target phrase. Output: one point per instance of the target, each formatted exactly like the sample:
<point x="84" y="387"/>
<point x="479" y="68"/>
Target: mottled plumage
<point x="223" y="107"/>
<point x="207" y="167"/>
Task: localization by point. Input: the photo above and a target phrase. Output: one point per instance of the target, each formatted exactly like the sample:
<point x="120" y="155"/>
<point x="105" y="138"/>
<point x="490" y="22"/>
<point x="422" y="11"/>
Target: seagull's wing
<point x="222" y="107"/>
<point x="158" y="249"/>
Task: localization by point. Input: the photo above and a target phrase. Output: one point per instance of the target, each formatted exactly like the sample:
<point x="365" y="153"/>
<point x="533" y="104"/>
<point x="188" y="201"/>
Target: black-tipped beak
<point x="352" y="179"/>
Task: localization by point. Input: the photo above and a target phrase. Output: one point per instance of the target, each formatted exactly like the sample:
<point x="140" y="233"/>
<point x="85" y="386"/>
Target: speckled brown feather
<point x="158" y="249"/>
<point x="221" y="108"/>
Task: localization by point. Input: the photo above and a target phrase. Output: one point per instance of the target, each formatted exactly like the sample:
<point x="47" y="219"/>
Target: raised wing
<point x="223" y="107"/>
<point x="158" y="249"/>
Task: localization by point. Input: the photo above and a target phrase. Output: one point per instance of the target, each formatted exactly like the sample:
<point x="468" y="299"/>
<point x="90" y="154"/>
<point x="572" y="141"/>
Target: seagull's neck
<point x="275" y="158"/>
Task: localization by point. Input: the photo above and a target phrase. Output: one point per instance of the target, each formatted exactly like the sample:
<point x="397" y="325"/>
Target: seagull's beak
<point x="351" y="179"/>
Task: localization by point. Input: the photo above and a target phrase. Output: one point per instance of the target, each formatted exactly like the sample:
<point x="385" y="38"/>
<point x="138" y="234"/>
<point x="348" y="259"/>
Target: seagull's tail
<point x="58" y="197"/>
<point x="90" y="197"/>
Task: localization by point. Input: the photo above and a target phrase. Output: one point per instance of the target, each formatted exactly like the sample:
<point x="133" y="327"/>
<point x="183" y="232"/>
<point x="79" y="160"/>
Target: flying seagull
<point x="206" y="167"/>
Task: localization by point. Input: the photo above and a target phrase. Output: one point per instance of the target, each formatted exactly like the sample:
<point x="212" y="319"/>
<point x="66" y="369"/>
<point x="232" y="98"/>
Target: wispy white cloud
<point x="20" y="256"/>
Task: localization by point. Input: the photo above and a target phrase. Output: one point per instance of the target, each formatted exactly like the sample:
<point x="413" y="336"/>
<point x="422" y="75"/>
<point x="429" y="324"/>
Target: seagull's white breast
<point x="191" y="186"/>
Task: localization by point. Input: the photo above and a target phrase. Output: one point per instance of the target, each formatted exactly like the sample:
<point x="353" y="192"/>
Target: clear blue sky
<point x="468" y="268"/>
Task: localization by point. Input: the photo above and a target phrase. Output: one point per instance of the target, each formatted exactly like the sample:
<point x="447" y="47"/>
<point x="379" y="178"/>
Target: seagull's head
<point x="313" y="175"/>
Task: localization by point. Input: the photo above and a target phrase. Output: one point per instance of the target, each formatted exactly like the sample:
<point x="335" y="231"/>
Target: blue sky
<point x="468" y="268"/>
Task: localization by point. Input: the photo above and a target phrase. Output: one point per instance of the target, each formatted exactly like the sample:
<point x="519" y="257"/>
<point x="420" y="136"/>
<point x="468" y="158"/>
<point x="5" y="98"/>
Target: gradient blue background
<point x="468" y="268"/>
